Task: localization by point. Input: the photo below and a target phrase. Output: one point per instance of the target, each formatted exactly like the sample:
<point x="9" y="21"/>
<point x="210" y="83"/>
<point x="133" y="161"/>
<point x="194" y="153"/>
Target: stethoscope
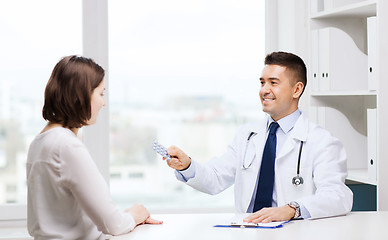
<point x="296" y="181"/>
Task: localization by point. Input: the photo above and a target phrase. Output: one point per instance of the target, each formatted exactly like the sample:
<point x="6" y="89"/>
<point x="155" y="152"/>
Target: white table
<point x="354" y="226"/>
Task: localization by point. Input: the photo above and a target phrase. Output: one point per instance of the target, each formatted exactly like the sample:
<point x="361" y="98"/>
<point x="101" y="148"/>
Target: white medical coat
<point x="322" y="166"/>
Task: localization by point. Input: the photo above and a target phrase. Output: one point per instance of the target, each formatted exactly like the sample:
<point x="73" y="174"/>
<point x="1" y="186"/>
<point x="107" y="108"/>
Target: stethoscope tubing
<point x="246" y="149"/>
<point x="298" y="166"/>
<point x="300" y="153"/>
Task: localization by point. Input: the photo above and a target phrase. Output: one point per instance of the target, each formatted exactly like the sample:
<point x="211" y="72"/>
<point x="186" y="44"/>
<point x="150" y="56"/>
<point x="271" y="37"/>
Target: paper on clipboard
<point x="237" y="221"/>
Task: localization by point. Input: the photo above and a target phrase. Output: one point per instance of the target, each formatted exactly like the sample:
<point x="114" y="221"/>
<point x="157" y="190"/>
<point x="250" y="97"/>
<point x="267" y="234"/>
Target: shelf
<point x="344" y="93"/>
<point x="360" y="175"/>
<point x="360" y="9"/>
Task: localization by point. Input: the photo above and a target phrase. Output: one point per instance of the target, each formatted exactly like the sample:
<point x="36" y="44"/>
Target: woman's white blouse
<point x="67" y="196"/>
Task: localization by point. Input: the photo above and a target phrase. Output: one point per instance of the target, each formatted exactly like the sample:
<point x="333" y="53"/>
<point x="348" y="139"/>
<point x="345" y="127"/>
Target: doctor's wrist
<point x="296" y="209"/>
<point x="187" y="167"/>
<point x="289" y="212"/>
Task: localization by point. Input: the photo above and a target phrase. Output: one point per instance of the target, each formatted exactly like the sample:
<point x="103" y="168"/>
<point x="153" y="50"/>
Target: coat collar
<point x="298" y="133"/>
<point x="300" y="130"/>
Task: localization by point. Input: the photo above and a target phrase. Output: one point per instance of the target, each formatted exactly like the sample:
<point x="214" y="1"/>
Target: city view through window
<point x="184" y="73"/>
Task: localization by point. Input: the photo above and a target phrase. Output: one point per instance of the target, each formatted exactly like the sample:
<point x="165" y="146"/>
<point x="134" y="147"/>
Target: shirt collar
<point x="287" y="123"/>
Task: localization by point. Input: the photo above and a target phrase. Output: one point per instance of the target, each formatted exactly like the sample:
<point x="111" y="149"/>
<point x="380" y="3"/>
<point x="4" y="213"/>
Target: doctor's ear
<point x="298" y="89"/>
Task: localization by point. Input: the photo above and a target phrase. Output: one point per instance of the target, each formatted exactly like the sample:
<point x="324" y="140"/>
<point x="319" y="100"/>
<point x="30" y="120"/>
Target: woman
<point x="67" y="196"/>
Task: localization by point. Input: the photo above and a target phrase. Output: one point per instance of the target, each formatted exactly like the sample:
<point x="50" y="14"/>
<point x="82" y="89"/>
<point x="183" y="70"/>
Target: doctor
<point x="283" y="167"/>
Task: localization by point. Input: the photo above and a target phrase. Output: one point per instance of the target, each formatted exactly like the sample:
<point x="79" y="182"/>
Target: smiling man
<point x="283" y="167"/>
<point x="280" y="92"/>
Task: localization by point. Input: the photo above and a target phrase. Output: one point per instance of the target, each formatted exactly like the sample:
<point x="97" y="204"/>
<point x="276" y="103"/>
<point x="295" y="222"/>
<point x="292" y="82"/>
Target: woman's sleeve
<point x="80" y="175"/>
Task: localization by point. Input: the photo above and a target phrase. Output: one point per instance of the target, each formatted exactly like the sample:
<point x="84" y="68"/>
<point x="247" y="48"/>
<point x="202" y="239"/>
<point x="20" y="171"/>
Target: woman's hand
<point x="152" y="221"/>
<point x="141" y="215"/>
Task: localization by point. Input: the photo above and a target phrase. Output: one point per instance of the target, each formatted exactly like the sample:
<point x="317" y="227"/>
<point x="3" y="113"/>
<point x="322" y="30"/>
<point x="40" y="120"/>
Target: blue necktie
<point x="267" y="171"/>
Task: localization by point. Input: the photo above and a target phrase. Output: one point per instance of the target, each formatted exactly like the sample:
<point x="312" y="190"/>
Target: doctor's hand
<point x="272" y="214"/>
<point x="179" y="159"/>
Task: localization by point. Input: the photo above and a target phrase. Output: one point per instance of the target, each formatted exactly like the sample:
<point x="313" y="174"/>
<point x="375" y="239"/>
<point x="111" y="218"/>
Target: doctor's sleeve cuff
<point x="304" y="213"/>
<point x="186" y="174"/>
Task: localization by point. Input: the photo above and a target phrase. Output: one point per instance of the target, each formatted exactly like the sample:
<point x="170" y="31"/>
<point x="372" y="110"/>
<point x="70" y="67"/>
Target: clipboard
<point x="237" y="222"/>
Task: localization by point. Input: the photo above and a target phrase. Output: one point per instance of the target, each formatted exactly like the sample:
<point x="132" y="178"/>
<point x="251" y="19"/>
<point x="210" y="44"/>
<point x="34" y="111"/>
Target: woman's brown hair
<point x="69" y="90"/>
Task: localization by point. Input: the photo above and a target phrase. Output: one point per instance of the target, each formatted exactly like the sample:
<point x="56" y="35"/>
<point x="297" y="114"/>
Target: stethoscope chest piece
<point x="297" y="180"/>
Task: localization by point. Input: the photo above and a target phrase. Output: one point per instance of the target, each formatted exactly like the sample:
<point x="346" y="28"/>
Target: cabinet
<point x="347" y="106"/>
<point x="347" y="85"/>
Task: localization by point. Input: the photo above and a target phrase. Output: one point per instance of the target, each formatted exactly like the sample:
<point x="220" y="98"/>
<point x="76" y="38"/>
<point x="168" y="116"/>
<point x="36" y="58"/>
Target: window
<point x="185" y="73"/>
<point x="34" y="36"/>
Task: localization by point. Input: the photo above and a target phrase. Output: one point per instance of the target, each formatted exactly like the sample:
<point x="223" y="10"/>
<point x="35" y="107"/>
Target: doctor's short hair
<point x="292" y="62"/>
<point x="67" y="97"/>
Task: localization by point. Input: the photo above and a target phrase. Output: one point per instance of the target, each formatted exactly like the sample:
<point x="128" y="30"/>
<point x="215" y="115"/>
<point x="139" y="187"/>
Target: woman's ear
<point x="298" y="89"/>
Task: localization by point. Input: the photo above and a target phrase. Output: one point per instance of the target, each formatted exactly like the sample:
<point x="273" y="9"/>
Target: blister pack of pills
<point x="160" y="149"/>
